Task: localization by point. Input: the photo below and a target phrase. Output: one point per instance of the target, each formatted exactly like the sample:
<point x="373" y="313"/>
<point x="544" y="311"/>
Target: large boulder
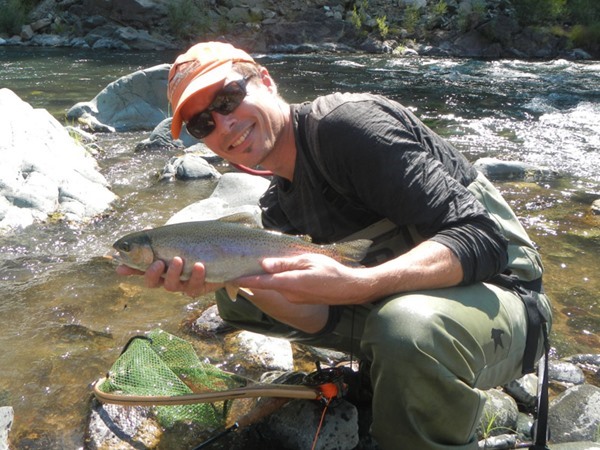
<point x="575" y="414"/>
<point x="43" y="170"/>
<point x="137" y="101"/>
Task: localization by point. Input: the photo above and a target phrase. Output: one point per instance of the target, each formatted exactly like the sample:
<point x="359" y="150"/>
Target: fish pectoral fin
<point x="232" y="292"/>
<point x="352" y="252"/>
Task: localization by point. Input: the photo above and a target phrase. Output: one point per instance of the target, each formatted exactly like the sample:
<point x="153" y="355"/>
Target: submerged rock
<point x="496" y="169"/>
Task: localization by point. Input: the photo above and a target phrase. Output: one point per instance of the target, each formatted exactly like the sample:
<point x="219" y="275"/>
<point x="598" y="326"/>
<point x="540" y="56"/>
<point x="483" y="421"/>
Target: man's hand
<point x="311" y="279"/>
<point x="156" y="276"/>
<point x="318" y="279"/>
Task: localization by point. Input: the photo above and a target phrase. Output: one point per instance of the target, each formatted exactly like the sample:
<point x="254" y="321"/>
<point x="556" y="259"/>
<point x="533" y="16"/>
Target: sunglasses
<point x="226" y="101"/>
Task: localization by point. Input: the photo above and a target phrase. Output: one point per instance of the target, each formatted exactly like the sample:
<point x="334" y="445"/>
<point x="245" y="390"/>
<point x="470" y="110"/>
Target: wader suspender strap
<point x="536" y="325"/>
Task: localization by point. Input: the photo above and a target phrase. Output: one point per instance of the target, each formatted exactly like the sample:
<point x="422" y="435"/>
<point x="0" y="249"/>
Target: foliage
<point x="188" y="18"/>
<point x="14" y="15"/>
<point x="586" y="36"/>
<point x="584" y="12"/>
<point x="440" y="8"/>
<point x="539" y="12"/>
<point x="355" y="18"/>
<point x="359" y="13"/>
<point x="412" y="14"/>
<point x="382" y="26"/>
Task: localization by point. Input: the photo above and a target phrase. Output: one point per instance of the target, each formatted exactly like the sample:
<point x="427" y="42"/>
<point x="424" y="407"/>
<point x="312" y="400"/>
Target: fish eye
<point x="125" y="246"/>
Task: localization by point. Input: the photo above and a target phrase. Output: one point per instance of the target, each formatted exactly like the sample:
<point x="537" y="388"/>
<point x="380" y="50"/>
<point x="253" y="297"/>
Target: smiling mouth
<point x="241" y="139"/>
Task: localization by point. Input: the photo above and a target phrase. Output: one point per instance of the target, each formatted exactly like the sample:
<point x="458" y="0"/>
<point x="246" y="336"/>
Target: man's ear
<point x="267" y="80"/>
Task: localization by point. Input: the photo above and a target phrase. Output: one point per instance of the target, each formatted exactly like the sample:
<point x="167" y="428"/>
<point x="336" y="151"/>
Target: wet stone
<point x="565" y="372"/>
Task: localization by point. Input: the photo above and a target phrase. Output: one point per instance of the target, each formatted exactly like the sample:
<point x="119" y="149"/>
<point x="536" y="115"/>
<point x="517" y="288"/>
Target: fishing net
<point x="164" y="365"/>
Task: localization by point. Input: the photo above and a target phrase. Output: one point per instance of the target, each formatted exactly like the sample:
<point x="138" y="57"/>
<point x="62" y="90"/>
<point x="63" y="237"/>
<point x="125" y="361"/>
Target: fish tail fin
<point x="353" y="252"/>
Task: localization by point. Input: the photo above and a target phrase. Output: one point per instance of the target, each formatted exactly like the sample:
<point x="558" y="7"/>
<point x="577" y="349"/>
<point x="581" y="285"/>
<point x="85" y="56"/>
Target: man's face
<point x="249" y="133"/>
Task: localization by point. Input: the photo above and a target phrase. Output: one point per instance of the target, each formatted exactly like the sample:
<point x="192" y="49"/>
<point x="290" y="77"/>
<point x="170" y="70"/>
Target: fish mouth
<point x="115" y="257"/>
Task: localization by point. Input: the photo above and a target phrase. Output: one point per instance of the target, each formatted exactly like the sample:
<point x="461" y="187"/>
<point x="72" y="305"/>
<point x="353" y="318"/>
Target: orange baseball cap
<point x="204" y="65"/>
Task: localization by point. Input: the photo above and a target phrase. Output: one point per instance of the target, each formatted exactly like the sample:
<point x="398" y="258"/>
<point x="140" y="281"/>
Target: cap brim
<point x="195" y="87"/>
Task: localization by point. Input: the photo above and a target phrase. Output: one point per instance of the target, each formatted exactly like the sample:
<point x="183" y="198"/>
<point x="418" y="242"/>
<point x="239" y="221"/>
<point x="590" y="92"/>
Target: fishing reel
<point x="329" y="382"/>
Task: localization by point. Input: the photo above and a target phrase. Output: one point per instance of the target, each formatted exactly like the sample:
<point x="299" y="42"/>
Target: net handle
<point x="259" y="390"/>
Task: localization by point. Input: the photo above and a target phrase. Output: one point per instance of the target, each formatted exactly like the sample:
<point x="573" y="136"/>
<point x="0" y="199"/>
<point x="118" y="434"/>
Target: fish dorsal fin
<point x="241" y="218"/>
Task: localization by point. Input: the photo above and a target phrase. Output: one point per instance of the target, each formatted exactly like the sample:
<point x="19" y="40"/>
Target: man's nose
<point x="223" y="123"/>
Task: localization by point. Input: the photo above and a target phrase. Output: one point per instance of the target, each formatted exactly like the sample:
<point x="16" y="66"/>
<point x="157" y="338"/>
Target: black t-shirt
<point x="383" y="162"/>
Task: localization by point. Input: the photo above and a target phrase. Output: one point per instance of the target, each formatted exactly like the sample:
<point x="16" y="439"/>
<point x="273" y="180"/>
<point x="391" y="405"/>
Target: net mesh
<point x="163" y="364"/>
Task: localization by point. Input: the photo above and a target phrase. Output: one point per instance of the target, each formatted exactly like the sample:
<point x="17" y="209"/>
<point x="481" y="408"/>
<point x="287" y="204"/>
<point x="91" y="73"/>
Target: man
<point x="438" y="309"/>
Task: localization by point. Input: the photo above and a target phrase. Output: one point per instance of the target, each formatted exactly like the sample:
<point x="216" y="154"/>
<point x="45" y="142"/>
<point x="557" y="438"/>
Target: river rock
<point x="7" y="416"/>
<point x="43" y="170"/>
<point x="160" y="138"/>
<point x="565" y="372"/>
<point x="49" y="40"/>
<point x="500" y="414"/>
<point x="123" y="38"/>
<point x="210" y="323"/>
<point x="524" y="390"/>
<point x="118" y="427"/>
<point x="589" y="361"/>
<point x="524" y="427"/>
<point x="235" y="193"/>
<point x="295" y="426"/>
<point x="584" y="445"/>
<point x="137" y="101"/>
<point x="575" y="414"/>
<point x="500" y="442"/>
<point x="191" y="166"/>
<point x="256" y="351"/>
<point x="498" y="170"/>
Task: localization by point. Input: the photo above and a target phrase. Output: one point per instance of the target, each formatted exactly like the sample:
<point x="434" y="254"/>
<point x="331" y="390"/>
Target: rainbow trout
<point x="229" y="248"/>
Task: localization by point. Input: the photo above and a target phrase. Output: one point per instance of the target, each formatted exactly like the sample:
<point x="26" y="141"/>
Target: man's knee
<point x="402" y="326"/>
<point x="417" y="331"/>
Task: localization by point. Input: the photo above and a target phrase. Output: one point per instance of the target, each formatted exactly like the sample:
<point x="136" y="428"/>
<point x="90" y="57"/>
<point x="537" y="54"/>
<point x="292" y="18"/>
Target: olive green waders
<point x="432" y="353"/>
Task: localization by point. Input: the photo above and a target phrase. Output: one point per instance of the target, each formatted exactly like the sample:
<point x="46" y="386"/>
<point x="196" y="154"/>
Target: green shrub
<point x="587" y="37"/>
<point x="188" y="18"/>
<point x="355" y="18"/>
<point x="584" y="12"/>
<point x="440" y="8"/>
<point x="359" y="13"/>
<point x="382" y="26"/>
<point x="532" y="12"/>
<point x="14" y="16"/>
<point x="412" y="15"/>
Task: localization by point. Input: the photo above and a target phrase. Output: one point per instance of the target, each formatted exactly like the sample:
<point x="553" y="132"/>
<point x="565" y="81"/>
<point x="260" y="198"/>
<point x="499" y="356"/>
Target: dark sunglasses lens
<point x="226" y="101"/>
<point x="201" y="125"/>
<point x="230" y="97"/>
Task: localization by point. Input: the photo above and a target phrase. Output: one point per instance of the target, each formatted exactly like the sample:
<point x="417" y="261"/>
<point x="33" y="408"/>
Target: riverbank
<point x="448" y="28"/>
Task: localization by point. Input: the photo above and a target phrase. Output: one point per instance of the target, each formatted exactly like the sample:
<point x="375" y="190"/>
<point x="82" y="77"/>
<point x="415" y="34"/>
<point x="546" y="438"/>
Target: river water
<point x="65" y="315"/>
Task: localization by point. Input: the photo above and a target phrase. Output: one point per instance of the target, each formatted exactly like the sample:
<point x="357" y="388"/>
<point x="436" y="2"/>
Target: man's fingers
<point x="196" y="285"/>
<point x="153" y="275"/>
<point x="173" y="275"/>
<point x="277" y="265"/>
